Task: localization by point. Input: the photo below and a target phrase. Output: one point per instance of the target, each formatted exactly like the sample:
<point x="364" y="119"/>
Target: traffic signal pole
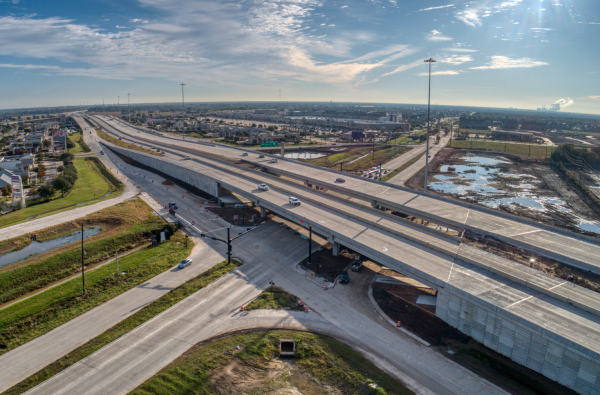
<point x="228" y="246"/>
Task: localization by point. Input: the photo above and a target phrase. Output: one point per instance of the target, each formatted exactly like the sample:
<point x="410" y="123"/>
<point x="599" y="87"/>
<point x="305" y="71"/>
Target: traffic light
<point x="229" y="247"/>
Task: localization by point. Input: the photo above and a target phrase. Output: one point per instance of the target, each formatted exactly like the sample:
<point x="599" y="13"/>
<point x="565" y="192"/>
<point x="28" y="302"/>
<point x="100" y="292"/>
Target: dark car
<point x="340" y="180"/>
<point x="173" y="206"/>
<point x="356" y="263"/>
<point x="261" y="156"/>
<point x="344" y="277"/>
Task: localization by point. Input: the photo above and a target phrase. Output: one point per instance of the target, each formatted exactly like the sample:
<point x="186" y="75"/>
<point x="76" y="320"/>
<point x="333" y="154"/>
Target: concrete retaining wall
<point x="525" y="343"/>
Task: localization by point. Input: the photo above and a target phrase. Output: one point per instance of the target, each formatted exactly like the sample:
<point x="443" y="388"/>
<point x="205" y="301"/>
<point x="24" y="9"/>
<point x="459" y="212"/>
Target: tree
<point x="33" y="191"/>
<point x="25" y="178"/>
<point x="60" y="169"/>
<point x="46" y="191"/>
<point x="62" y="184"/>
<point x="41" y="172"/>
<point x="47" y="143"/>
<point x="6" y="190"/>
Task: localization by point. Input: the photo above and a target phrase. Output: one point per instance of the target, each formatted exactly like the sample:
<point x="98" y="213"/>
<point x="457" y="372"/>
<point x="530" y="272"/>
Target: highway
<point x="549" y="241"/>
<point x="270" y="254"/>
<point x="520" y="294"/>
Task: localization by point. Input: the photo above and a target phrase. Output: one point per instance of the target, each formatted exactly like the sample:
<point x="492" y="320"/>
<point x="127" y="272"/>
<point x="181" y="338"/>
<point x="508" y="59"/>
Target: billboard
<point x="17" y="186"/>
<point x="59" y="140"/>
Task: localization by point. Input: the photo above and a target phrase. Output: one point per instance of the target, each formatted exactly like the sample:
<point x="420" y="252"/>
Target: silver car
<point x="185" y="263"/>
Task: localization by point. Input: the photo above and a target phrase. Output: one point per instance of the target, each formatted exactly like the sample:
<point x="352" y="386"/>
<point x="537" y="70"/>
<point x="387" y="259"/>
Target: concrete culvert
<point x="287" y="347"/>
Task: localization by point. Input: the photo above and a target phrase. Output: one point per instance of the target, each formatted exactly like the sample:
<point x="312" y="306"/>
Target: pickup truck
<point x="356" y="263"/>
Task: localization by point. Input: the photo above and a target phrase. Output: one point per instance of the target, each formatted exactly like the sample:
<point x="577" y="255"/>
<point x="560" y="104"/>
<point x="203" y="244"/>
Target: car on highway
<point x="240" y="205"/>
<point x="153" y="147"/>
<point x="356" y="263"/>
<point x="344" y="277"/>
<point x="186" y="157"/>
<point x="261" y="156"/>
<point x="340" y="180"/>
<point x="120" y="137"/>
<point x="185" y="263"/>
<point x="263" y="187"/>
<point x="294" y="201"/>
<point x="274" y="160"/>
<point x="173" y="206"/>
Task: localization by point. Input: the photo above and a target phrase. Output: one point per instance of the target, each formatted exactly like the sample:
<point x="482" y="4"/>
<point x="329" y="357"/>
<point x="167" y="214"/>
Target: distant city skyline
<point x="492" y="53"/>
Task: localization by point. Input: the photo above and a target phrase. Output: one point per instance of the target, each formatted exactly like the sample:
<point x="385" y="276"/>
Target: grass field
<point x="75" y="140"/>
<point x="382" y="155"/>
<point x="404" y="140"/>
<point x="534" y="150"/>
<point x="37" y="272"/>
<point x="321" y="365"/>
<point x="275" y="298"/>
<point x="124" y="144"/>
<point x="93" y="184"/>
<point x="64" y="302"/>
<point x="401" y="168"/>
<point x="131" y="322"/>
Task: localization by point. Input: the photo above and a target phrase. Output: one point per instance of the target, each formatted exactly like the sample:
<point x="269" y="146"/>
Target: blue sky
<point x="496" y="53"/>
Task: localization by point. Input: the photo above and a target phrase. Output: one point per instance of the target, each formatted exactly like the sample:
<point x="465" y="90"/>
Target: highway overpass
<point x="542" y="322"/>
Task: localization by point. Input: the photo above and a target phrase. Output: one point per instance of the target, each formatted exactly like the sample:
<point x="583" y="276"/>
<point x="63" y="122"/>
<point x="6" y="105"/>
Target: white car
<point x="294" y="201"/>
<point x="263" y="187"/>
<point x="186" y="157"/>
<point x="185" y="263"/>
<point x="245" y="154"/>
<point x="273" y="160"/>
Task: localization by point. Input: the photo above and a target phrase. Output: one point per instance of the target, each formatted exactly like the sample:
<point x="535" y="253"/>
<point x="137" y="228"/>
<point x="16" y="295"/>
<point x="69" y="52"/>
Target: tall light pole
<point x="430" y="61"/>
<point x="183" y="109"/>
<point x="128" y="108"/>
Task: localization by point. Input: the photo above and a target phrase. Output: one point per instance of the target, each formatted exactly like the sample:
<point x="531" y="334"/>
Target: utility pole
<point x="82" y="269"/>
<point x="430" y="61"/>
<point x="309" y="244"/>
<point x="118" y="272"/>
<point x="183" y="113"/>
<point x="228" y="246"/>
<point x="128" y="108"/>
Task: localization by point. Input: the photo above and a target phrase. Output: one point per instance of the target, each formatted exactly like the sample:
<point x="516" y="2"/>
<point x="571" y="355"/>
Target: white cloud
<point x="457" y="59"/>
<point x="344" y="6"/>
<point x="436" y="8"/>
<point x="447" y="72"/>
<point x="28" y="66"/>
<point x="504" y="62"/>
<point x="594" y="97"/>
<point x="470" y="17"/>
<point x="404" y="67"/>
<point x="137" y="20"/>
<point x="460" y="50"/>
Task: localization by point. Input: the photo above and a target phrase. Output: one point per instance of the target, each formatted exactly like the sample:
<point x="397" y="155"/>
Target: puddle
<point x="303" y="155"/>
<point x="481" y="177"/>
<point x="37" y="247"/>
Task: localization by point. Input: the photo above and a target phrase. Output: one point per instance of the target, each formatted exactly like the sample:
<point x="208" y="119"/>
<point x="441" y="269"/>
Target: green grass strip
<point x="92" y="185"/>
<point x="402" y="168"/>
<point x="158" y="306"/>
<point x="534" y="150"/>
<point x="328" y="360"/>
<point x="47" y="310"/>
<point x="124" y="144"/>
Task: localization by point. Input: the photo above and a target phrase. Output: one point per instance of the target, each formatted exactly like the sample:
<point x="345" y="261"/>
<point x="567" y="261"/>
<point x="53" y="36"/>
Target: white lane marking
<point x="529" y="297"/>
<point x="524" y="233"/>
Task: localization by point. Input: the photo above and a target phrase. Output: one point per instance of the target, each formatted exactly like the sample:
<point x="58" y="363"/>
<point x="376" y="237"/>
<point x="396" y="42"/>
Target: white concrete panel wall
<point x="525" y="345"/>
<point x="192" y="177"/>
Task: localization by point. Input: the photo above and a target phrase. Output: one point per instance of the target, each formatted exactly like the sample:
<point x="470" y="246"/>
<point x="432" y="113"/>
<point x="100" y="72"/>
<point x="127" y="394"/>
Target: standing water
<point x="37" y="247"/>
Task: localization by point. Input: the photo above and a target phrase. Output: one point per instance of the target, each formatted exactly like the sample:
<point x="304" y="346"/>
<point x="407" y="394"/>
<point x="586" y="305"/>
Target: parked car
<point x="344" y="277"/>
<point x="371" y="175"/>
<point x="263" y="187"/>
<point x="186" y="157"/>
<point x="173" y="206"/>
<point x="356" y="263"/>
<point x="274" y="160"/>
<point x="261" y="156"/>
<point x="185" y="263"/>
<point x="245" y="154"/>
<point x="340" y="180"/>
<point x="294" y="201"/>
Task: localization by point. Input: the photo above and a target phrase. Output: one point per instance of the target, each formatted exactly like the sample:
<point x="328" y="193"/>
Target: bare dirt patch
<point x="325" y="265"/>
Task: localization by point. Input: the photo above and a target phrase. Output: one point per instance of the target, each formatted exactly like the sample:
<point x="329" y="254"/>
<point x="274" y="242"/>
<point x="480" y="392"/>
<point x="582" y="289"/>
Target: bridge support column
<point x="263" y="212"/>
<point x="336" y="248"/>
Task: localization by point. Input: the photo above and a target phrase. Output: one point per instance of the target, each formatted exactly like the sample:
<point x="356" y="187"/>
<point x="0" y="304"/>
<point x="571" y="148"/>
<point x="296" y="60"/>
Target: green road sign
<point x="269" y="144"/>
<point x="304" y="237"/>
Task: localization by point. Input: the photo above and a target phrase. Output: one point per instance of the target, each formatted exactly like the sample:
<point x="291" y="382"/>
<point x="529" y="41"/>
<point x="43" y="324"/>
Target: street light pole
<point x="430" y="61"/>
<point x="183" y="109"/>
<point x="309" y="244"/>
<point x="228" y="247"/>
<point x="82" y="269"/>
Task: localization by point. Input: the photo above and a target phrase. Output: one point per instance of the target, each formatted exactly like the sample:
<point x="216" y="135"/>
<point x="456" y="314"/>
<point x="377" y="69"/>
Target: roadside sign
<point x="269" y="144"/>
<point x="304" y="237"/>
<point x="211" y="205"/>
<point x="235" y="217"/>
<point x="193" y="223"/>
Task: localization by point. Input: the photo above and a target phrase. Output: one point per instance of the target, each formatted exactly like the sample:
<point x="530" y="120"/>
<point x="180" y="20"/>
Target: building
<point x="5" y="178"/>
<point x="350" y="123"/>
<point x="393" y="117"/>
<point x="511" y="135"/>
<point x="32" y="141"/>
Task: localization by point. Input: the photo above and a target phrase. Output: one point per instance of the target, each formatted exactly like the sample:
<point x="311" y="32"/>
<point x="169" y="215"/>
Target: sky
<point x="491" y="53"/>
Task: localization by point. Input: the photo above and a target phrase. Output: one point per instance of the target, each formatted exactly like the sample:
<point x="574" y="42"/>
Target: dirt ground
<point x="398" y="303"/>
<point x="325" y="265"/>
<point x="548" y="183"/>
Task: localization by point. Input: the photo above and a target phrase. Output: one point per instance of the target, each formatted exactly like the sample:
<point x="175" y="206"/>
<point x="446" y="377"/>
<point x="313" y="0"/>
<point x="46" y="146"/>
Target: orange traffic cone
<point x="399" y="324"/>
<point x="306" y="309"/>
<point x="242" y="308"/>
